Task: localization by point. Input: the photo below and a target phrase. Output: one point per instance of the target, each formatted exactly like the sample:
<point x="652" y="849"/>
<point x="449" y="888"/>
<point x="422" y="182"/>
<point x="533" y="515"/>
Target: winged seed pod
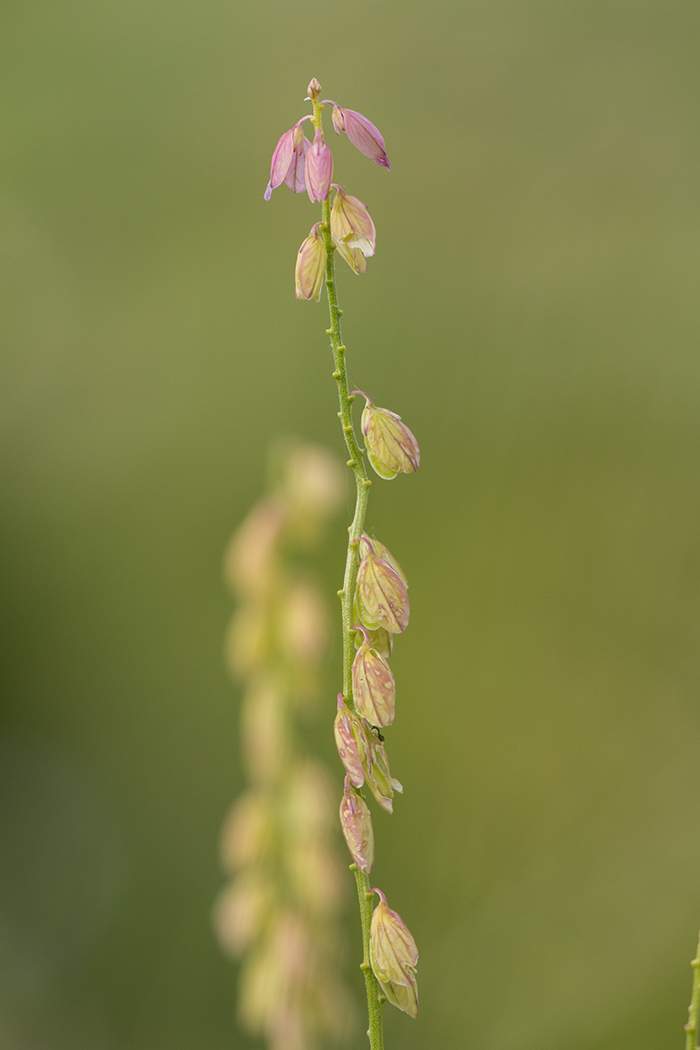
<point x="367" y="544"/>
<point x="391" y="447"/>
<point x="393" y="956"/>
<point x="356" y="822"/>
<point x="352" y="743"/>
<point x="311" y="266"/>
<point x="352" y="229"/>
<point x="373" y="686"/>
<point x="382" y="597"/>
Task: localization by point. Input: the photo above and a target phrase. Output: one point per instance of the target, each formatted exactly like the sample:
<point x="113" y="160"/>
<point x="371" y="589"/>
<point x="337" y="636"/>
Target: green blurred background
<point x="532" y="312"/>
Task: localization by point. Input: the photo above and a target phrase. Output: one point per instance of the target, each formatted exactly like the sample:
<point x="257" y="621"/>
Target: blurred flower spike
<point x="351" y="741"/>
<point x="288" y="161"/>
<point x="356" y="822"/>
<point x="391" y="447"/>
<point x="393" y="956"/>
<point x="319" y="169"/>
<point x="361" y="132"/>
<point x="373" y="684"/>
<point x="382" y="595"/>
<point x="354" y="234"/>
<point x="311" y="265"/>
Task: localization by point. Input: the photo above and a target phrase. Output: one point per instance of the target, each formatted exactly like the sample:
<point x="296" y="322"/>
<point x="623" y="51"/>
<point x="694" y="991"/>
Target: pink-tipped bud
<point x="393" y="956"/>
<point x="379" y="778"/>
<point x="373" y="685"/>
<point x="314" y="89"/>
<point x="311" y="266"/>
<point x="356" y="822"/>
<point x="391" y="447"/>
<point x="381" y="595"/>
<point x="288" y="162"/>
<point x="362" y="133"/>
<point x="353" y="231"/>
<point x="352" y="743"/>
<point x="319" y="169"/>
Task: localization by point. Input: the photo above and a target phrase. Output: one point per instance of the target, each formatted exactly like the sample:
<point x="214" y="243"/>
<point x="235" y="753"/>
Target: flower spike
<point x="361" y="132"/>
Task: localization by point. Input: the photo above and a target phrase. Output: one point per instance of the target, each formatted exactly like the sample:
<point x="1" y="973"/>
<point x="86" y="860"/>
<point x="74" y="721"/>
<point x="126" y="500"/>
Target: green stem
<point x="694" y="1008"/>
<point x="375" y="1000"/>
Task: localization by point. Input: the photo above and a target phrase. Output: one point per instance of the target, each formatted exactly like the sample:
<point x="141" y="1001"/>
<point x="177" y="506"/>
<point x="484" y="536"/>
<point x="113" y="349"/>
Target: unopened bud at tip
<point x="314" y="89"/>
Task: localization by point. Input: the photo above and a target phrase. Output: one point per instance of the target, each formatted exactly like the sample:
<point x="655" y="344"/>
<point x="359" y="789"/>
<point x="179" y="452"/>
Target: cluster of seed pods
<point x="382" y="609"/>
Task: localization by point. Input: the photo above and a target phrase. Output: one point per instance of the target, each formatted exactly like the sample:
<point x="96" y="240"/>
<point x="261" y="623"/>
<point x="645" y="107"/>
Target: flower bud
<point x="352" y="743"/>
<point x="362" y="133"/>
<point x="373" y="686"/>
<point x="380" y="781"/>
<point x="319" y="169"/>
<point x="382" y="595"/>
<point x="352" y="229"/>
<point x="356" y="822"/>
<point x="391" y="447"/>
<point x="314" y="89"/>
<point x="393" y="956"/>
<point x="311" y="266"/>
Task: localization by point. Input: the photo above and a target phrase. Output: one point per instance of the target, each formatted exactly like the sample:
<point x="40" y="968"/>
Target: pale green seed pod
<point x="310" y="266"/>
<point x="393" y="956"/>
<point x="381" y="595"/>
<point x="368" y="543"/>
<point x="356" y="822"/>
<point x="373" y="686"/>
<point x="391" y="447"/>
<point x="352" y="742"/>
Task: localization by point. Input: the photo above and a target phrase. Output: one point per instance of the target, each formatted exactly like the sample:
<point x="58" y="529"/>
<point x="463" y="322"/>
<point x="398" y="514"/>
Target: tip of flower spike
<point x="314" y="89"/>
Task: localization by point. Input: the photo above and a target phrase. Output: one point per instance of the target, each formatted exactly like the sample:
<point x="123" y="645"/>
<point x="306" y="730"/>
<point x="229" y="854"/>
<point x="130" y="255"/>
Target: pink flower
<point x="319" y="169"/>
<point x="288" y="161"/>
<point x="361" y="132"/>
